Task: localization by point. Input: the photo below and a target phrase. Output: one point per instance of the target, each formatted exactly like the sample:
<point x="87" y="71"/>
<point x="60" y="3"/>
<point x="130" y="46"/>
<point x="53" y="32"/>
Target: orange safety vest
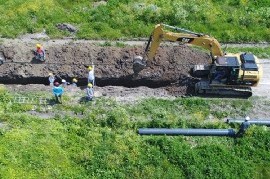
<point x="39" y="51"/>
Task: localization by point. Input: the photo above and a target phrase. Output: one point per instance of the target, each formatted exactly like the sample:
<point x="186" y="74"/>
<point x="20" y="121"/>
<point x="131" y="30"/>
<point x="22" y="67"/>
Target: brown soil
<point x="68" y="59"/>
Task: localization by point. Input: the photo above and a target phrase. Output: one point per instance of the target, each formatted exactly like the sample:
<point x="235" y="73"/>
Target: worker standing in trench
<point x="89" y="92"/>
<point x="91" y="74"/>
<point x="74" y="82"/>
<point x="51" y="79"/>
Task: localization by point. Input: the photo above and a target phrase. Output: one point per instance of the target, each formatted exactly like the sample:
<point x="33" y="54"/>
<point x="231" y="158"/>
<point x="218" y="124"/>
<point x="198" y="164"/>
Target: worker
<point x="40" y="53"/>
<point x="64" y="83"/>
<point x="89" y="92"/>
<point x="219" y="75"/>
<point x="58" y="92"/>
<point x="74" y="82"/>
<point x="243" y="127"/>
<point x="91" y="75"/>
<point x="51" y="79"/>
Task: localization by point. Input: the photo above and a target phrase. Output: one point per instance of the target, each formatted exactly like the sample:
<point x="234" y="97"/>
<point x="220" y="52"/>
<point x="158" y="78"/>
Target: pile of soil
<point x="113" y="65"/>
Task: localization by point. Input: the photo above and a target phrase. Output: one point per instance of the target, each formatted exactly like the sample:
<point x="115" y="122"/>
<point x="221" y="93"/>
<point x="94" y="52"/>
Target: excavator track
<point x="204" y="88"/>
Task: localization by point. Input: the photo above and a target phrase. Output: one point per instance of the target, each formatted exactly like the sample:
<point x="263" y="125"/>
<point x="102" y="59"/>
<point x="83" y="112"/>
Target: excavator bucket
<point x="138" y="64"/>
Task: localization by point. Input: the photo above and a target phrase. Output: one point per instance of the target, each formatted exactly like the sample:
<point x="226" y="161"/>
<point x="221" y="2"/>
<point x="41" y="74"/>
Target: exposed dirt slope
<point x="113" y="64"/>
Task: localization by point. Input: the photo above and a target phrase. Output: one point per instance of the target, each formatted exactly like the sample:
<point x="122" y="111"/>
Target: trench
<point x="128" y="82"/>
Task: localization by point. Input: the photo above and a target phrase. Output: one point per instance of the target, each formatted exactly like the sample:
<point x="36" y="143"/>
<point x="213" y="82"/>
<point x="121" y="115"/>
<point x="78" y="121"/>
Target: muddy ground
<point x="68" y="59"/>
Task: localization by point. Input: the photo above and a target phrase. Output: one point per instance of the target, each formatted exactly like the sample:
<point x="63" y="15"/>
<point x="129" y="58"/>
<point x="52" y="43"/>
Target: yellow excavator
<point x="226" y="74"/>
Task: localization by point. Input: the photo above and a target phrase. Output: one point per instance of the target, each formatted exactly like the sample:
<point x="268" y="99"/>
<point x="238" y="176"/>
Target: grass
<point x="103" y="142"/>
<point x="228" y="21"/>
<point x="259" y="52"/>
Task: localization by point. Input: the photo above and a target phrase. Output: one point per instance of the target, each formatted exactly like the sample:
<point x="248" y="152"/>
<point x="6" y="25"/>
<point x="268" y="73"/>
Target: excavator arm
<point x="185" y="36"/>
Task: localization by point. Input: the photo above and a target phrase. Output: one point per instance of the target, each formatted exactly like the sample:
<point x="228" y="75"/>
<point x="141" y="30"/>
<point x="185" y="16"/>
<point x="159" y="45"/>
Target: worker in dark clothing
<point x="243" y="127"/>
<point x="219" y="75"/>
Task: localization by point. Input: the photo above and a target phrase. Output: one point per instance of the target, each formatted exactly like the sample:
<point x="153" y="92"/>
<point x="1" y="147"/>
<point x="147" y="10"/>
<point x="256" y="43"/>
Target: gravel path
<point x="263" y="88"/>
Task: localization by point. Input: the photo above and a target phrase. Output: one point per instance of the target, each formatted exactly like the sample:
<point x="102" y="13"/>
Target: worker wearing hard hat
<point x="91" y="75"/>
<point x="243" y="127"/>
<point x="74" y="82"/>
<point x="58" y="92"/>
<point x="51" y="79"/>
<point x="64" y="83"/>
<point x="40" y="53"/>
<point x="89" y="92"/>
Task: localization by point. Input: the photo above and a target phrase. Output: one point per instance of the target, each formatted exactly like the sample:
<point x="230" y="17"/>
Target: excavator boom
<point x="185" y="36"/>
<point x="205" y="41"/>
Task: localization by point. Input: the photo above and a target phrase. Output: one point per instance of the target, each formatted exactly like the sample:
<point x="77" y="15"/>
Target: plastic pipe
<point x="255" y="122"/>
<point x="187" y="132"/>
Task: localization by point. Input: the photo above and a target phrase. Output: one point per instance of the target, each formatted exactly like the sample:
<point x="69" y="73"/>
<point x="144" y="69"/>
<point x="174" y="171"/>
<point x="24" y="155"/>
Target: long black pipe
<point x="256" y="122"/>
<point x="187" y="132"/>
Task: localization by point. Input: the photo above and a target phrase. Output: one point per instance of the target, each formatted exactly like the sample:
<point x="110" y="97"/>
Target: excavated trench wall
<point x="113" y="65"/>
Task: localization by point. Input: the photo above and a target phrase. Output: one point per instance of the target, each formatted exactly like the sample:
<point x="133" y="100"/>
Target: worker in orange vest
<point x="40" y="53"/>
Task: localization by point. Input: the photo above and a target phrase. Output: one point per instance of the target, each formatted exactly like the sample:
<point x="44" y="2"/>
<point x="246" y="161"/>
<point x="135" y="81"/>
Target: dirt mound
<point x="68" y="59"/>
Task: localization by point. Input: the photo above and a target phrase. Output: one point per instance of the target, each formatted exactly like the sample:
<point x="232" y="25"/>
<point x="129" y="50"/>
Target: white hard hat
<point x="63" y="81"/>
<point x="247" y="118"/>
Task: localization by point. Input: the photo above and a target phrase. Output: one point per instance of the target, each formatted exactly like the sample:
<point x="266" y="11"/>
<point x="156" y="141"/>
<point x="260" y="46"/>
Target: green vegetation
<point x="105" y="44"/>
<point x="228" y="20"/>
<point x="99" y="140"/>
<point x="259" y="52"/>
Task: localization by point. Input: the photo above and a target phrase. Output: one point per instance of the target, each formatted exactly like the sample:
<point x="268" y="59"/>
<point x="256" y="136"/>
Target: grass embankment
<point x="101" y="142"/>
<point x="259" y="52"/>
<point x="228" y="20"/>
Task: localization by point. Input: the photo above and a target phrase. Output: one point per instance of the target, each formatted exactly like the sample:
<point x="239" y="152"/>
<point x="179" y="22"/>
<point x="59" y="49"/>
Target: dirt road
<point x="263" y="88"/>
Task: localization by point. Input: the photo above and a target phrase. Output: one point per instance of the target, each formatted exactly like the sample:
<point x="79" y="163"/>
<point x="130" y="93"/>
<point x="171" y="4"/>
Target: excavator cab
<point x="226" y="70"/>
